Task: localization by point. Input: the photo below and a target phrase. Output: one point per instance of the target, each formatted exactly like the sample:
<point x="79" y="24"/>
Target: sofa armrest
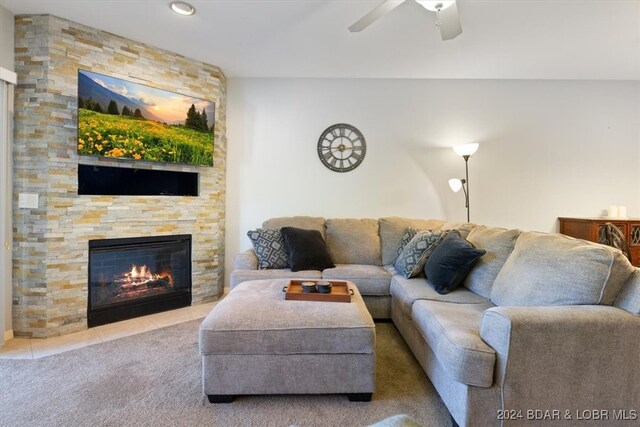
<point x="246" y="260"/>
<point x="629" y="298"/>
<point x="566" y="358"/>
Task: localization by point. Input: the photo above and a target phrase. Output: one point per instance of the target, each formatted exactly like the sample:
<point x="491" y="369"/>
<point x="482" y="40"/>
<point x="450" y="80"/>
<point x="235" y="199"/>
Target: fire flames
<point x="142" y="277"/>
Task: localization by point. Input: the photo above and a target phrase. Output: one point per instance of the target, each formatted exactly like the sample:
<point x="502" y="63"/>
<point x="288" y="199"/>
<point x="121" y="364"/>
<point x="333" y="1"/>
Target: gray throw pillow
<point x="415" y="253"/>
<point x="269" y="247"/>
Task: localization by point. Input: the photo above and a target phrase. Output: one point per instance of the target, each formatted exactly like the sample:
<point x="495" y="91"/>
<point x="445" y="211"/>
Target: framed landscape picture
<point x="121" y="119"/>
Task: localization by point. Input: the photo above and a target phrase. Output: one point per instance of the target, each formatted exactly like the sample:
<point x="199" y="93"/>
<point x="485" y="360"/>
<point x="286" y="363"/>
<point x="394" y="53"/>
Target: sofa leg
<point x="359" y="397"/>
<point x="220" y="398"/>
<point x="453" y="421"/>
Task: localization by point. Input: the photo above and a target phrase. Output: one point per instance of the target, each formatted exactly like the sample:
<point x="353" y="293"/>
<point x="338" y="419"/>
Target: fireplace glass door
<point x="136" y="276"/>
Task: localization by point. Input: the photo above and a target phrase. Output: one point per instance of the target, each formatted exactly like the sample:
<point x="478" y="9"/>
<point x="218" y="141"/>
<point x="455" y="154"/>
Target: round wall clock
<point x="341" y="147"/>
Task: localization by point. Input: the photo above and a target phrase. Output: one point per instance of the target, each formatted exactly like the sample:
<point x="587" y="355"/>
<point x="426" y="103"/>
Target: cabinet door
<point x="623" y="226"/>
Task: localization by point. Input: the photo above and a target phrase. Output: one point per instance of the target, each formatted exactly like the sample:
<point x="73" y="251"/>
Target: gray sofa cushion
<point x="353" y="241"/>
<point x="269" y="248"/>
<point x="240" y="276"/>
<point x="629" y="298"/>
<point x="305" y="222"/>
<point x="452" y="331"/>
<point x="553" y="269"/>
<point x="243" y="323"/>
<point x="370" y="279"/>
<point x="393" y="228"/>
<point x="463" y="227"/>
<point x="499" y="243"/>
<point x="408" y="291"/>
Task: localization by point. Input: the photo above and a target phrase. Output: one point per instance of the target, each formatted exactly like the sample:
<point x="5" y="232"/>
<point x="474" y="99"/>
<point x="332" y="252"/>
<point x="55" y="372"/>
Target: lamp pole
<point x="465" y="151"/>
<point x="466" y="184"/>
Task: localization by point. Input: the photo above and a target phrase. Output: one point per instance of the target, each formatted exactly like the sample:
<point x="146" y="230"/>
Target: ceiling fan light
<point x="182" y="8"/>
<point x="466" y="149"/>
<point x="436" y="5"/>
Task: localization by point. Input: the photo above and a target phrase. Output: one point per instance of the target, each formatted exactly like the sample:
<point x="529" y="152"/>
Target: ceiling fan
<point x="447" y="16"/>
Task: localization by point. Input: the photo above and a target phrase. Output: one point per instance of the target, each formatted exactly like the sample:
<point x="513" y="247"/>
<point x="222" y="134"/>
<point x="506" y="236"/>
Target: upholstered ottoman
<point x="256" y="342"/>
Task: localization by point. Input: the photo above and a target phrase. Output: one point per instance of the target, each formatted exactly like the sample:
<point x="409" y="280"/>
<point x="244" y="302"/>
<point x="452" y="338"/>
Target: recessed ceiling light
<point x="182" y="8"/>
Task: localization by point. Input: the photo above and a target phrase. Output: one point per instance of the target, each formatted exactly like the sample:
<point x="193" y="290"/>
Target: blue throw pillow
<point x="450" y="262"/>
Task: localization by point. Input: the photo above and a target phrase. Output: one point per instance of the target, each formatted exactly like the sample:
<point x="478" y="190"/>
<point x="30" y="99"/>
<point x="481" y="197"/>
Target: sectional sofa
<point x="546" y="327"/>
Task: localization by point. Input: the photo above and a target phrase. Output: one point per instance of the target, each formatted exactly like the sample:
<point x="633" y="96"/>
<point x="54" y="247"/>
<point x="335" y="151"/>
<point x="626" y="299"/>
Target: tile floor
<point x="23" y="348"/>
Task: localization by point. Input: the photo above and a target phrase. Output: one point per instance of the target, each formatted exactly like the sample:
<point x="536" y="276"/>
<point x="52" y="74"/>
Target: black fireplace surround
<point x="133" y="277"/>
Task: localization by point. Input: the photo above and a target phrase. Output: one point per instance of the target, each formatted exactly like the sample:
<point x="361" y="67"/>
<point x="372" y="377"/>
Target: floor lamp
<point x="465" y="151"/>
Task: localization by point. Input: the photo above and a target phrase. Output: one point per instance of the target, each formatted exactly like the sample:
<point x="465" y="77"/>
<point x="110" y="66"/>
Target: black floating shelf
<point x="115" y="181"/>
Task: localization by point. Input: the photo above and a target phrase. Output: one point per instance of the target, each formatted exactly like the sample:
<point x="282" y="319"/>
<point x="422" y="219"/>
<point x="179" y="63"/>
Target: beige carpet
<point x="153" y="379"/>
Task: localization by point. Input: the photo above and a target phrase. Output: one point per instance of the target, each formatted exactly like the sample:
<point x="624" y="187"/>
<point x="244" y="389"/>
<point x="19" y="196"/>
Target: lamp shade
<point x="466" y="149"/>
<point x="435" y="5"/>
<point x="455" y="184"/>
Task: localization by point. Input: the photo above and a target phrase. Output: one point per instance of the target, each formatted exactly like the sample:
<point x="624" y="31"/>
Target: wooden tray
<point x="340" y="292"/>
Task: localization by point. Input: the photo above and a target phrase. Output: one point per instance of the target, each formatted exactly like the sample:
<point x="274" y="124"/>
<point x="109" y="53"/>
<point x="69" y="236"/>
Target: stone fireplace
<point x="51" y="242"/>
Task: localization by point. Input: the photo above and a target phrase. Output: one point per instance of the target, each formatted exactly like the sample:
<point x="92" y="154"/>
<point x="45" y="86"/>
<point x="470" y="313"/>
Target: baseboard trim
<point x="8" y="335"/>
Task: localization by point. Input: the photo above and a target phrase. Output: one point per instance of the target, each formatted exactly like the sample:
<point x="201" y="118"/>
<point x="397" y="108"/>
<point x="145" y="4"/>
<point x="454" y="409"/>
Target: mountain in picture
<point x="89" y="89"/>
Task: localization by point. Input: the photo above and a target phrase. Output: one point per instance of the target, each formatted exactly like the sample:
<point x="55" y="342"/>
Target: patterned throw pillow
<point x="415" y="253"/>
<point x="406" y="238"/>
<point x="269" y="247"/>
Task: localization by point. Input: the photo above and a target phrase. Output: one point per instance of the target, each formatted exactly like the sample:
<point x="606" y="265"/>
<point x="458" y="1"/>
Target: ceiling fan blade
<point x="374" y="15"/>
<point x="450" y="27"/>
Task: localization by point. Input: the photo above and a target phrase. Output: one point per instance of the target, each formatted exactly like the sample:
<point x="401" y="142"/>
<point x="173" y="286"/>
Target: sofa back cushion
<point x="305" y="222"/>
<point x="464" y="228"/>
<point x="629" y="298"/>
<point x="499" y="243"/>
<point x="552" y="269"/>
<point x="393" y="228"/>
<point x="353" y="241"/>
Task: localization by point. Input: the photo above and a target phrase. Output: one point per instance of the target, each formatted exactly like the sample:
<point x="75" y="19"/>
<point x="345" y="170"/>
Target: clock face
<point x="341" y="147"/>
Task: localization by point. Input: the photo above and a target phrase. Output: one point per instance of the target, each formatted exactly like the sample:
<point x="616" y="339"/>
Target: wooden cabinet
<point x="591" y="229"/>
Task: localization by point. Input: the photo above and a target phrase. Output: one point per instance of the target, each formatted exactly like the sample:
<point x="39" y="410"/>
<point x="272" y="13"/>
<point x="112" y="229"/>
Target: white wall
<point x="7" y="62"/>
<point x="547" y="149"/>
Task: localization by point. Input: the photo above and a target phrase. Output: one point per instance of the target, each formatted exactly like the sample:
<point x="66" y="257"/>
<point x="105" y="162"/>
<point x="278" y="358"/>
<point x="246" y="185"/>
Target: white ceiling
<point x="501" y="39"/>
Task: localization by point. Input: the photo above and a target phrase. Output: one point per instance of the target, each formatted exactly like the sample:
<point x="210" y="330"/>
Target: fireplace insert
<point x="133" y="277"/>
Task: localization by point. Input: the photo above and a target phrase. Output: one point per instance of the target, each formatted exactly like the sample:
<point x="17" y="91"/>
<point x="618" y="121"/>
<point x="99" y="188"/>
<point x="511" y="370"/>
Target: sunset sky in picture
<point x="170" y="107"/>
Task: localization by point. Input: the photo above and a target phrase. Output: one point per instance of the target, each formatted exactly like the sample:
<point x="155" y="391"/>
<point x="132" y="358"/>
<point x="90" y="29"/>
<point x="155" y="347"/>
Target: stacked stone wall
<point x="50" y="253"/>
